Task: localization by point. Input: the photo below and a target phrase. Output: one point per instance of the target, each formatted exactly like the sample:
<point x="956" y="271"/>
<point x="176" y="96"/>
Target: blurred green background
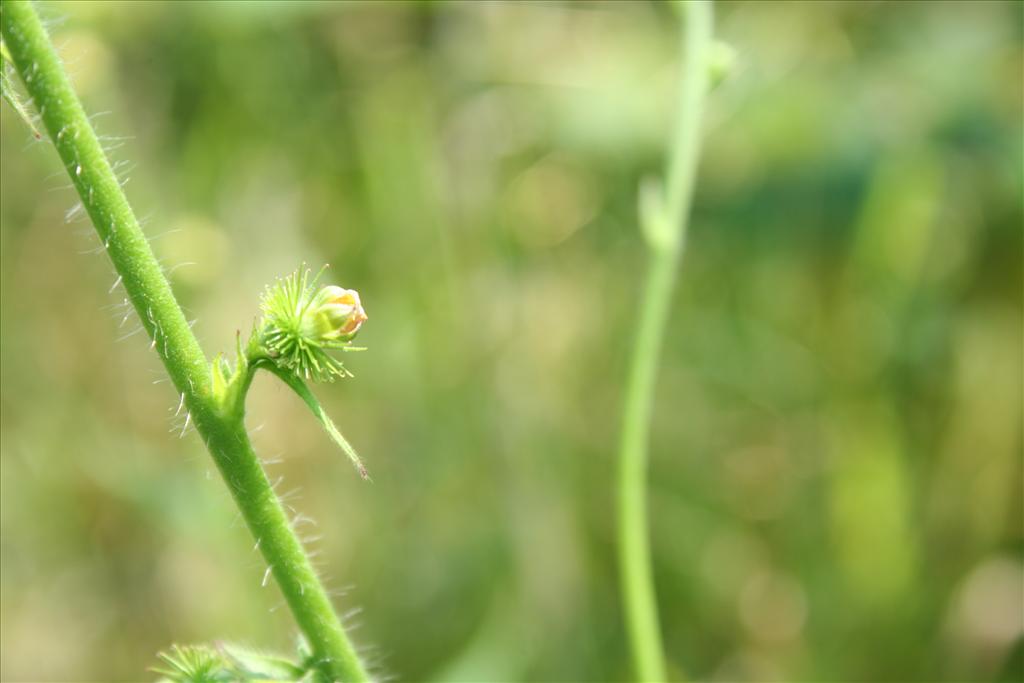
<point x="837" y="450"/>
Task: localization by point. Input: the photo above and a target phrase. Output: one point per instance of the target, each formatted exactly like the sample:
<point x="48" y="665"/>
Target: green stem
<point x="220" y="425"/>
<point x="664" y="225"/>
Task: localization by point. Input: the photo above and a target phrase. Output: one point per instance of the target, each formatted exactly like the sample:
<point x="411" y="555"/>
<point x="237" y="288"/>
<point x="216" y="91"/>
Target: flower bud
<point x="337" y="314"/>
<point x="301" y="324"/>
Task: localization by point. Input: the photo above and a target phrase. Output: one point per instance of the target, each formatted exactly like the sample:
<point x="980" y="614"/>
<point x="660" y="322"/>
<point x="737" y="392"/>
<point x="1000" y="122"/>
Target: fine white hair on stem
<point x="156" y="334"/>
<point x="290" y="495"/>
<point x="32" y="140"/>
<point x="183" y="264"/>
<point x="134" y="332"/>
<point x="94" y="250"/>
<point x="76" y="212"/>
<point x="300" y="519"/>
<point x="171" y="231"/>
<point x="60" y="188"/>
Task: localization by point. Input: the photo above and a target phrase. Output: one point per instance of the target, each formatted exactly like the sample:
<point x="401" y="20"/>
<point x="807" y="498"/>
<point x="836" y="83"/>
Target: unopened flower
<point x="302" y="323"/>
<point x="337" y="313"/>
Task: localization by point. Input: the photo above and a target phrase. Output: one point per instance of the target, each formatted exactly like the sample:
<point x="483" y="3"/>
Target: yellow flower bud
<point x="338" y="313"/>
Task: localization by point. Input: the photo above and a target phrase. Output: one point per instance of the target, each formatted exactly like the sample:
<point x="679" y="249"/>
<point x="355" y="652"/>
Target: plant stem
<point x="664" y="226"/>
<point x="221" y="425"/>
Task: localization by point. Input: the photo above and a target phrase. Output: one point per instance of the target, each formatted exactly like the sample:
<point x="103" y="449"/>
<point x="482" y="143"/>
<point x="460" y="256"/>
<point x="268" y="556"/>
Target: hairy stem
<point x="221" y="426"/>
<point x="664" y="222"/>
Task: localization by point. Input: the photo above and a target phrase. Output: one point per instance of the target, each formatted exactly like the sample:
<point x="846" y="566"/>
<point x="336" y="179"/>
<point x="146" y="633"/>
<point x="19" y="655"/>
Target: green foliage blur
<point x="836" y="461"/>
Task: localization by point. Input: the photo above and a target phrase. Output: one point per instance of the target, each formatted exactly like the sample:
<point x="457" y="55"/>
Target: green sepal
<point x="223" y="663"/>
<point x="299" y="387"/>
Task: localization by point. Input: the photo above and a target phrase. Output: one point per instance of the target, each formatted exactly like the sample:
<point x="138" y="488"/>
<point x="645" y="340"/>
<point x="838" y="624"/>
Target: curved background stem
<point x="221" y="428"/>
<point x="664" y="226"/>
